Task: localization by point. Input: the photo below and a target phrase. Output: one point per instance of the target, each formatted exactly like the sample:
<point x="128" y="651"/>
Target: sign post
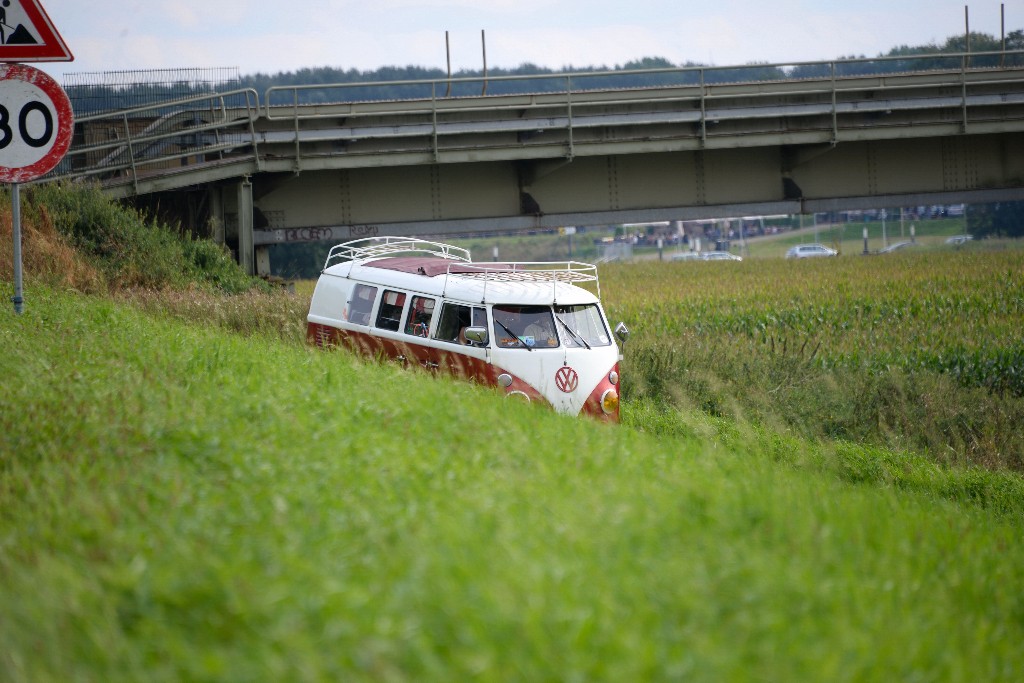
<point x="17" y="299"/>
<point x="36" y="119"/>
<point x="36" y="126"/>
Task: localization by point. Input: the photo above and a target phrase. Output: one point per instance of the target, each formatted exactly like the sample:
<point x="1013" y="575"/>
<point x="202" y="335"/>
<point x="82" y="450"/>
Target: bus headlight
<point x="609" y="401"/>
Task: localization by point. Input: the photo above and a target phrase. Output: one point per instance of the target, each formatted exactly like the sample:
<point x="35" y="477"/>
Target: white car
<point x="720" y="256"/>
<point x="685" y="256"/>
<point x="810" y="251"/>
<point x="897" y="247"/>
<point x="958" y="239"/>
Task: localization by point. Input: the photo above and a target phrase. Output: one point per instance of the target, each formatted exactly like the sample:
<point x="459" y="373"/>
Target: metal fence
<point x="106" y="91"/>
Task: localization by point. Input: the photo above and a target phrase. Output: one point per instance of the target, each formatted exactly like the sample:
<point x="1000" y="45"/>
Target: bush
<point x="129" y="249"/>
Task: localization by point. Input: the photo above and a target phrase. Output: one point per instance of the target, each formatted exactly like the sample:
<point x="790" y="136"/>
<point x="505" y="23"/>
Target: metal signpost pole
<point x="16" y="225"/>
<point x="42" y="110"/>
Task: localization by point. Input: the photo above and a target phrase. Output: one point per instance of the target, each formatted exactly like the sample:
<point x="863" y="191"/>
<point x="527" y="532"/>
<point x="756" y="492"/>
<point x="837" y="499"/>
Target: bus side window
<point x="455" y="318"/>
<point x="420" y="313"/>
<point x="389" y="316"/>
<point x="361" y="303"/>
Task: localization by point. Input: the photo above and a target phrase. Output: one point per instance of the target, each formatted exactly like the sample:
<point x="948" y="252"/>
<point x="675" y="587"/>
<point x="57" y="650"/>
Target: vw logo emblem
<point x="566" y="379"/>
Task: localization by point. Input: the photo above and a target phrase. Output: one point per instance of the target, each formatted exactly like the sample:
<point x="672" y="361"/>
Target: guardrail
<point x="696" y="93"/>
<point x="126" y="144"/>
<point x="296" y="121"/>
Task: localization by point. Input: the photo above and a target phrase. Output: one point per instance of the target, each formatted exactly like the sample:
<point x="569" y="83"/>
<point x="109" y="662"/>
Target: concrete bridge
<point x="695" y="144"/>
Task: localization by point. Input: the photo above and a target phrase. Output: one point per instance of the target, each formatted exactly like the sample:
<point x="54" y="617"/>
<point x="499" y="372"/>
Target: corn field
<point x="919" y="350"/>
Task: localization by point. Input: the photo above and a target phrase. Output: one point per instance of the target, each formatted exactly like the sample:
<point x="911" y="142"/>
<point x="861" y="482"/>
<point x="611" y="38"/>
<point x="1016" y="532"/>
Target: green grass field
<point x="919" y="350"/>
<point x="818" y="477"/>
<point x="181" y="502"/>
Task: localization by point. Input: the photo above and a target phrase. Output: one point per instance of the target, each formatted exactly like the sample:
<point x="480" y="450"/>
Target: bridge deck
<point x="215" y="137"/>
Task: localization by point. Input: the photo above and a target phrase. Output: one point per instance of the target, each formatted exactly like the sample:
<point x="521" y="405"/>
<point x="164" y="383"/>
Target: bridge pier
<point x="263" y="261"/>
<point x="231" y="222"/>
<point x="215" y="200"/>
<point x="246" y="247"/>
<point x="232" y="213"/>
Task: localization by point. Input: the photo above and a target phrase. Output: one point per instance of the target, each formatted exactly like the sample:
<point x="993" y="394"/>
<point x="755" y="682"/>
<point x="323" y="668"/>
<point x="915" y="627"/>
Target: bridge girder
<point x="473" y="197"/>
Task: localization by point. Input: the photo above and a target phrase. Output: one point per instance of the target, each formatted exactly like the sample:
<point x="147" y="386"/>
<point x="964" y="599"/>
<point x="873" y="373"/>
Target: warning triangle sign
<point x="28" y="35"/>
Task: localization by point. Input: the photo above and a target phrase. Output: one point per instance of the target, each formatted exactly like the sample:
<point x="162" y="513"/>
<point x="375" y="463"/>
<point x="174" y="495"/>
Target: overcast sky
<point x="268" y="37"/>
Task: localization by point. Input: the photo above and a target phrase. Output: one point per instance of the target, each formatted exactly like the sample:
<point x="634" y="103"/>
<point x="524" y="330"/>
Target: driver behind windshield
<point x="518" y="326"/>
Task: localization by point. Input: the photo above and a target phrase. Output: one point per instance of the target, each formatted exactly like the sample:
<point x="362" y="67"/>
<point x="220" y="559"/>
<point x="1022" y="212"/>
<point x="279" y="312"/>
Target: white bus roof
<point x="447" y="271"/>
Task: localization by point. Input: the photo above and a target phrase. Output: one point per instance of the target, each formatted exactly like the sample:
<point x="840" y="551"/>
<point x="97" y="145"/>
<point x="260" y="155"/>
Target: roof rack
<point x="542" y="272"/>
<point x="461" y="265"/>
<point x="379" y="247"/>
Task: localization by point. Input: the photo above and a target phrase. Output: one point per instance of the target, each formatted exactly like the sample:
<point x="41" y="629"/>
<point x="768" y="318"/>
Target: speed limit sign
<point x="36" y="123"/>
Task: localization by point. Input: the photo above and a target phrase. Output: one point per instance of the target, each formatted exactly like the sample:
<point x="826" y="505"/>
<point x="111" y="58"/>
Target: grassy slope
<point x="181" y="503"/>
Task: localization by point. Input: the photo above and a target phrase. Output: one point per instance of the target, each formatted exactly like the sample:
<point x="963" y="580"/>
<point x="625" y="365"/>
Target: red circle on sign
<point x="24" y="89"/>
<point x="566" y="379"/>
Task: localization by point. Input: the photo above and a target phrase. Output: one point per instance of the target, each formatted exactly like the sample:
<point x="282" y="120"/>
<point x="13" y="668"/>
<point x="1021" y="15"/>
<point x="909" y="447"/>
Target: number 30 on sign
<point x="36" y="123"/>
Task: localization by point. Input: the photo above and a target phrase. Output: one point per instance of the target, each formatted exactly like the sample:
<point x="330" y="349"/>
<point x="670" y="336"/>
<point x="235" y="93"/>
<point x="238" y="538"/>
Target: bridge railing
<point x="447" y="88"/>
<point x="704" y="96"/>
<point x="123" y="146"/>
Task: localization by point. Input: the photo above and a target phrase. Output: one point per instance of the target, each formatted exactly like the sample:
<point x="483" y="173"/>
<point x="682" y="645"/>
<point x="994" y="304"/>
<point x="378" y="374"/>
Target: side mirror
<point x="622" y="332"/>
<point x="476" y="335"/>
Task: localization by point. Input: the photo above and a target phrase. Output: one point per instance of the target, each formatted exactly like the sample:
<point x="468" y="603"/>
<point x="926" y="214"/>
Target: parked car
<point x="959" y="239"/>
<point x="896" y="247"/>
<point x="685" y="256"/>
<point x="720" y="256"/>
<point x="810" y="251"/>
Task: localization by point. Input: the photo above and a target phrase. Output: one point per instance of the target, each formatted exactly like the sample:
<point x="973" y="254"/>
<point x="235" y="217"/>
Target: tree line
<point x="389" y="82"/>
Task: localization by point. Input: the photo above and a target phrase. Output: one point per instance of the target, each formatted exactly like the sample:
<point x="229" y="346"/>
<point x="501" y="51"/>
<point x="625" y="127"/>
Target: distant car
<point x="896" y="247"/>
<point x="810" y="251"/>
<point x="720" y="256"/>
<point x="685" y="256"/>
<point x="959" y="239"/>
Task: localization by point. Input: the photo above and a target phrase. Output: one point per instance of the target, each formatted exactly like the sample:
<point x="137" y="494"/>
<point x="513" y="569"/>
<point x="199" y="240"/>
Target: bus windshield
<point x="586" y="324"/>
<point x="524" y="326"/>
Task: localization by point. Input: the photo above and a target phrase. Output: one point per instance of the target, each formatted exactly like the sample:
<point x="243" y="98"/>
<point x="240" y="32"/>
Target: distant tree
<point x="299" y="260"/>
<point x="1000" y="219"/>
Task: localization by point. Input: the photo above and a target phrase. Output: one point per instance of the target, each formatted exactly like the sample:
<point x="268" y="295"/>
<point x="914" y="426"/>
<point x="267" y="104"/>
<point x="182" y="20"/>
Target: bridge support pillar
<point x="263" y="261"/>
<point x="216" y="226"/>
<point x="245" y="225"/>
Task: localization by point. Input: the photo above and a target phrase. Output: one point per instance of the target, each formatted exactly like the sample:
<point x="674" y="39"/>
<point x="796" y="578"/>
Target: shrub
<point x="129" y="249"/>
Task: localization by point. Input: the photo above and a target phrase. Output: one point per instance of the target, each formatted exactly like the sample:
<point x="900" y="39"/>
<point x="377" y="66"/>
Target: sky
<point x="260" y="36"/>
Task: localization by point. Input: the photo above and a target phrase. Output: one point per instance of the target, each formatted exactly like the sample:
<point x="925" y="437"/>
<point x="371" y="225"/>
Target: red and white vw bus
<point x="529" y="328"/>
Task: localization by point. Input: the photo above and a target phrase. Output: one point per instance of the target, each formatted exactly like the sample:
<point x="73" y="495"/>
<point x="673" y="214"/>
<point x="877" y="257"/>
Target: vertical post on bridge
<point x="967" y="33"/>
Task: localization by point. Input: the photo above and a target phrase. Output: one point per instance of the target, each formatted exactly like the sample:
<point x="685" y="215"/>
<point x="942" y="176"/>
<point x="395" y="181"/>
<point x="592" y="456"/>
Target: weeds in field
<point x="924" y="353"/>
<point x="76" y="237"/>
<point x="274" y="313"/>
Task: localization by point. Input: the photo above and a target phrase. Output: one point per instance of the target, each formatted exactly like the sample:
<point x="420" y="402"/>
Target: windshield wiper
<point x="518" y="338"/>
<point x="575" y="335"/>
